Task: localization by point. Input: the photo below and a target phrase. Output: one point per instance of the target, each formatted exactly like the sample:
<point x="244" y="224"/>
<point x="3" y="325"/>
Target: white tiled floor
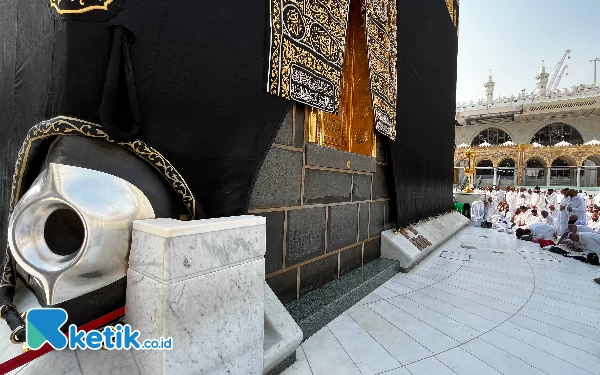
<point x="511" y="308"/>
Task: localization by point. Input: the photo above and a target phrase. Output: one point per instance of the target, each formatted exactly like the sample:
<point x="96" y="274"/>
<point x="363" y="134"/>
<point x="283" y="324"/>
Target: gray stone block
<point x="350" y="259"/>
<point x="285" y="285"/>
<point x="383" y="182"/>
<point x="390" y="216"/>
<point x="299" y="126"/>
<point x="372" y="250"/>
<point x="361" y="187"/>
<point x="322" y="156"/>
<point x="284" y="135"/>
<point x="279" y="180"/>
<point x="376" y="222"/>
<point x="363" y="221"/>
<point x="274" y="254"/>
<point x="326" y="186"/>
<point x="342" y="228"/>
<point x="318" y="273"/>
<point x="305" y="235"/>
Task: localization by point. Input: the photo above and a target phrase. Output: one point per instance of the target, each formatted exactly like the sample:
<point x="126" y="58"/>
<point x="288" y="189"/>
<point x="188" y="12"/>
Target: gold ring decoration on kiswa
<point x="13" y="335"/>
<point x="3" y="307"/>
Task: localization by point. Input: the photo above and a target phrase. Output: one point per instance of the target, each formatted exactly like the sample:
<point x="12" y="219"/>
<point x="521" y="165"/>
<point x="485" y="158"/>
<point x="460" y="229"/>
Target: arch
<point x="563" y="161"/>
<point x="554" y="132"/>
<point x="593" y="157"/>
<point x="507" y="163"/>
<point x="485" y="163"/>
<point x="535" y="162"/>
<point x="493" y="135"/>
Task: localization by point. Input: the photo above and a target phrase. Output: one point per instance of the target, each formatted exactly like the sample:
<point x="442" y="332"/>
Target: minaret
<point x="489" y="89"/>
<point x="542" y="80"/>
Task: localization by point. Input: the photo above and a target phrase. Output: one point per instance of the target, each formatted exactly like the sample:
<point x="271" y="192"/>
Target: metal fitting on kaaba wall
<point x="71" y="231"/>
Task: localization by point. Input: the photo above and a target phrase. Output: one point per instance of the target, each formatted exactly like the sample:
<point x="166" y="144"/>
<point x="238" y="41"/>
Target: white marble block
<point x="437" y="231"/>
<point x="201" y="283"/>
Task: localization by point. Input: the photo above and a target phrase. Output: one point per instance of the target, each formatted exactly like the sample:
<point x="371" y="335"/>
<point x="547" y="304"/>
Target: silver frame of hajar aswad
<point x="105" y="204"/>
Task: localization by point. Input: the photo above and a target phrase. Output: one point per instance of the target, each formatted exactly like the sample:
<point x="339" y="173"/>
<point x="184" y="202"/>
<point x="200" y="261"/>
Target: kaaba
<point x="197" y="106"/>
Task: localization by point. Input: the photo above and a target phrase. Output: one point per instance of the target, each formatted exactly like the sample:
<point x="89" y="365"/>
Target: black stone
<point x="318" y="273"/>
<point x="363" y="221"/>
<point x="350" y="259"/>
<point x="376" y="225"/>
<point x="372" y="250"/>
<point x="322" y="156"/>
<point x="279" y="180"/>
<point x="274" y="254"/>
<point x="316" y="309"/>
<point x="382" y="180"/>
<point x="342" y="228"/>
<point x="361" y="187"/>
<point x="284" y="135"/>
<point x="305" y="235"/>
<point x="326" y="186"/>
<point x="299" y="126"/>
<point x="285" y="285"/>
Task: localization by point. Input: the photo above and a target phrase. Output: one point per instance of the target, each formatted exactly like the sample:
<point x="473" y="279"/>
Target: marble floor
<point x="483" y="303"/>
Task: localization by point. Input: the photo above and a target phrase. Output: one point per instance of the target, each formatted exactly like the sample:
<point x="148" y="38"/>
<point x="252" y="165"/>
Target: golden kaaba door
<point x="352" y="129"/>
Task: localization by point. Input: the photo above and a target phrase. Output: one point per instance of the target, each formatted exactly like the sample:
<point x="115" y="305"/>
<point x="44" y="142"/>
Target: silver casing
<point x="105" y="204"/>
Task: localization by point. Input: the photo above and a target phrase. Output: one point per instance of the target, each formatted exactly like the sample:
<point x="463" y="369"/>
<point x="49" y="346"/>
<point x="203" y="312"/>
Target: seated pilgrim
<point x="546" y="218"/>
<point x="594" y="223"/>
<point x="478" y="211"/>
<point x="533" y="218"/>
<point x="537" y="230"/>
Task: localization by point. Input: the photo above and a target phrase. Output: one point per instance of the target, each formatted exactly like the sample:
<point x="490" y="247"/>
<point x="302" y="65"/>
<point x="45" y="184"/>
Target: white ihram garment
<point x="590" y="241"/>
<point x="551" y="199"/>
<point x="541" y="231"/>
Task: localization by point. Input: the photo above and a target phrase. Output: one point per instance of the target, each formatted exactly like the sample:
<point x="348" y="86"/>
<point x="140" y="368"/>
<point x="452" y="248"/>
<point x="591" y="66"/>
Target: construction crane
<point x="552" y="88"/>
<point x="557" y="70"/>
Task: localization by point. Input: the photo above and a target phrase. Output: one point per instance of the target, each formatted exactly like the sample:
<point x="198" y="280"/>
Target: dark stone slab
<point x="299" y="126"/>
<point x="372" y="250"/>
<point x="390" y="215"/>
<point x="283" y="365"/>
<point x="274" y="254"/>
<point x="381" y="148"/>
<point x="305" y="235"/>
<point x="326" y="186"/>
<point x="383" y="183"/>
<point x="350" y="259"/>
<point x="318" y="273"/>
<point x="322" y="156"/>
<point x="284" y="136"/>
<point x="279" y="180"/>
<point x="361" y="187"/>
<point x="376" y="222"/>
<point x="342" y="228"/>
<point x="363" y="213"/>
<point x="316" y="309"/>
<point x="285" y="285"/>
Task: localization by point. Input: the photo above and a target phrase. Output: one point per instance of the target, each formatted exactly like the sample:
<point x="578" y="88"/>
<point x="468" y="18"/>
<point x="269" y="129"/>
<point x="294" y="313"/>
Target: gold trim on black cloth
<point x="64" y="126"/>
<point x="306" y="55"/>
<point x="308" y="40"/>
<point x="383" y="53"/>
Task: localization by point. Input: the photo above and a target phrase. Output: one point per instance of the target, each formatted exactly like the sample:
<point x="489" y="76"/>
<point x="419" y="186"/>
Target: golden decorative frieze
<point x="574" y="155"/>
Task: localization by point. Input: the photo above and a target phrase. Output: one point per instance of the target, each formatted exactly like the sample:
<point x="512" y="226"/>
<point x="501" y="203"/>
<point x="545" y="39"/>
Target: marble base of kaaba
<point x="411" y="245"/>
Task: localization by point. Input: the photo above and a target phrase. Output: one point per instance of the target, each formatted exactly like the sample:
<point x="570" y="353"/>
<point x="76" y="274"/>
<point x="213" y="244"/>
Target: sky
<point x="512" y="37"/>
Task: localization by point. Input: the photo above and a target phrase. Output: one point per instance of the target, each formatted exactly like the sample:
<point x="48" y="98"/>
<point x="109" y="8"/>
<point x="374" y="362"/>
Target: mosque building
<point x="548" y="138"/>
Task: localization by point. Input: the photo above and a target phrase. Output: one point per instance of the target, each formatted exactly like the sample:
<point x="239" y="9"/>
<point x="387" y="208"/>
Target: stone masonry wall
<point x="325" y="209"/>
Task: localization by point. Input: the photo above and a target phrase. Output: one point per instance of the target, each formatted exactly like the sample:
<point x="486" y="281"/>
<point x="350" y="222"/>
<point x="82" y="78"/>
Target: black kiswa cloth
<point x="198" y="68"/>
<point x="422" y="154"/>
